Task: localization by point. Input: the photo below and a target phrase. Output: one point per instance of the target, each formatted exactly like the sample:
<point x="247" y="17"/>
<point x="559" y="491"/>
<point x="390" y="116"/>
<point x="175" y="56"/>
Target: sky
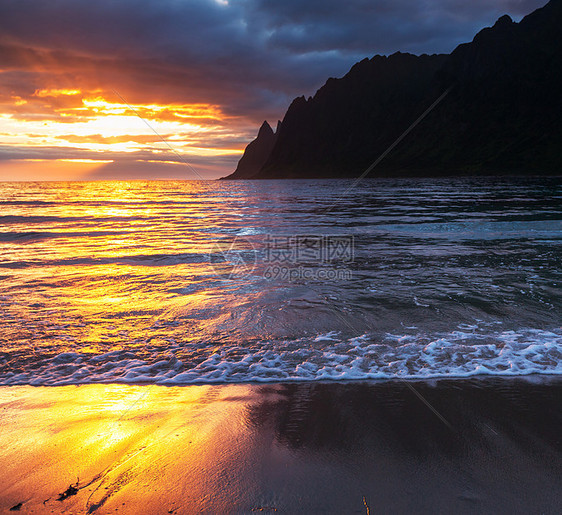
<point x="175" y="89"/>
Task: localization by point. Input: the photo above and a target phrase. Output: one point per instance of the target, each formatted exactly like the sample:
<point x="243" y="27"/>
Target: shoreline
<point x="531" y="378"/>
<point x="330" y="447"/>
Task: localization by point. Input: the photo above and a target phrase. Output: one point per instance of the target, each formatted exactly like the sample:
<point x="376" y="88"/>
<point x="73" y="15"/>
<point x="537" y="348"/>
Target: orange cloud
<point x="56" y="102"/>
<point x="41" y="93"/>
<point x="85" y="126"/>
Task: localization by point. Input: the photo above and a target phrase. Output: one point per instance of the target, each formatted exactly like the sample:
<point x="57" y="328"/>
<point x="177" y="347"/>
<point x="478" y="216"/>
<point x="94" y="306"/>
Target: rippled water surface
<point x="173" y="282"/>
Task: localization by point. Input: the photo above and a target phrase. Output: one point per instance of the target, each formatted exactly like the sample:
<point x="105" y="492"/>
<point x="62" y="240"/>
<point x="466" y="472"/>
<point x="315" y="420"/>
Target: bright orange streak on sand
<point x="135" y="449"/>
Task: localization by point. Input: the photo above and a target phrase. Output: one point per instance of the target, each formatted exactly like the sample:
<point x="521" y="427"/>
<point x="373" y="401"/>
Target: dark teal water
<point x="185" y="282"/>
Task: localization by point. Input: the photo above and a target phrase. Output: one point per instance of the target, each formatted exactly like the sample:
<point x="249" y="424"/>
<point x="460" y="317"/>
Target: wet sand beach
<point x="465" y="446"/>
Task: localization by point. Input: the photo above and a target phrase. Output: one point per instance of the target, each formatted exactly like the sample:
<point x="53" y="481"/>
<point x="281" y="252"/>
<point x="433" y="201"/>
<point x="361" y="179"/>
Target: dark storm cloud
<point x="247" y="58"/>
<point x="173" y="51"/>
<point x="383" y="25"/>
<point x="250" y="56"/>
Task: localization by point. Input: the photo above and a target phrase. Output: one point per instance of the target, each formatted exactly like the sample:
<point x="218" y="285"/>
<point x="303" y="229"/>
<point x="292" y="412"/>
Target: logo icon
<point x="233" y="257"/>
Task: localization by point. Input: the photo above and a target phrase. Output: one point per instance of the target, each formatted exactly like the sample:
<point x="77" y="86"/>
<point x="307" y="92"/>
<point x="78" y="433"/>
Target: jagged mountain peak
<point x="265" y="129"/>
<point x="502" y="114"/>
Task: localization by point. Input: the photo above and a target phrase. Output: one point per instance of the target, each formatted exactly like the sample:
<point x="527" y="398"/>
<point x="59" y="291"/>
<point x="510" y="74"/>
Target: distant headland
<point x="502" y="115"/>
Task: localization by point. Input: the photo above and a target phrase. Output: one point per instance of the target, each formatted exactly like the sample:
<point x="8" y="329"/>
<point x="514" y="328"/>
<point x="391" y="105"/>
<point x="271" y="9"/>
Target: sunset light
<point x="280" y="257"/>
<point x="74" y="126"/>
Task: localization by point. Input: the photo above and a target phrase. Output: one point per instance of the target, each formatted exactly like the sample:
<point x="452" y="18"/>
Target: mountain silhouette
<point x="502" y="113"/>
<point x="256" y="153"/>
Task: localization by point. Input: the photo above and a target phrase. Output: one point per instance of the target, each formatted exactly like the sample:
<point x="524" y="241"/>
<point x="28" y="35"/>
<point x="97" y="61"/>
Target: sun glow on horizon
<point x="69" y="125"/>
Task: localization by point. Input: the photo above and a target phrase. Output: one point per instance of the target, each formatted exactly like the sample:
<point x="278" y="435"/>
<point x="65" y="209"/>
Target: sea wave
<point x="29" y="236"/>
<point x="16" y="236"/>
<point x="458" y="354"/>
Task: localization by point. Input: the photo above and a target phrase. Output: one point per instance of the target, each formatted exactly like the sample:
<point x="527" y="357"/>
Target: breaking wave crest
<point x="458" y="354"/>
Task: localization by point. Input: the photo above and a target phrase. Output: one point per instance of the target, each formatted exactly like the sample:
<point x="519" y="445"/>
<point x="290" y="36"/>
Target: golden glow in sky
<point x="56" y="125"/>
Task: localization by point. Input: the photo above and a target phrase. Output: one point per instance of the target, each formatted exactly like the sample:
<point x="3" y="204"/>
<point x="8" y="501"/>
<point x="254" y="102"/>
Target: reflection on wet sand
<point x="292" y="448"/>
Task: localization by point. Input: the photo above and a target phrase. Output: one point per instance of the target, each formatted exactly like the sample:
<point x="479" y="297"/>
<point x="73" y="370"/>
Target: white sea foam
<point x="458" y="354"/>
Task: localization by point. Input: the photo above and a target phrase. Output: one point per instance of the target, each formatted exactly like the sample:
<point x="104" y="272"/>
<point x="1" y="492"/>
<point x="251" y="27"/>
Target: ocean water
<point x="218" y="282"/>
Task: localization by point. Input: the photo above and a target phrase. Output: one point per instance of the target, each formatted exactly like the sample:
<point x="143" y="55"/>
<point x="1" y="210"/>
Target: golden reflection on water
<point x="101" y="266"/>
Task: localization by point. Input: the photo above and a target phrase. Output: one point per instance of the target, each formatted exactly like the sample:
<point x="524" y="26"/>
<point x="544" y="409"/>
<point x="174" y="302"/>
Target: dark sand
<point x="293" y="448"/>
